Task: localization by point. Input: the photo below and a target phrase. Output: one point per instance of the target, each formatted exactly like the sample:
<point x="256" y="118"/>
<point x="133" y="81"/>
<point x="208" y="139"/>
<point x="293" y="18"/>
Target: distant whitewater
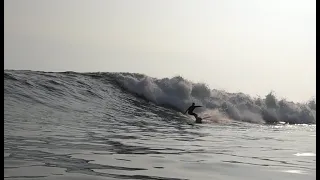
<point x="64" y="89"/>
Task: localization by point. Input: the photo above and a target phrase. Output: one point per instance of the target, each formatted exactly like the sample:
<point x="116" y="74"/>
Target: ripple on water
<point x="32" y="172"/>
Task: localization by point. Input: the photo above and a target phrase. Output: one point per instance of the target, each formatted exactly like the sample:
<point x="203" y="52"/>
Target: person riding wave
<point x="191" y="109"/>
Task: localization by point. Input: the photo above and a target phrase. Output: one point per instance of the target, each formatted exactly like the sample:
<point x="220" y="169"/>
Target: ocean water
<point x="130" y="126"/>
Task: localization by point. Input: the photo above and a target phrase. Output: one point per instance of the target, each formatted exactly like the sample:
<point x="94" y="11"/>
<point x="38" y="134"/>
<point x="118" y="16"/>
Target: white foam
<point x="295" y="171"/>
<point x="305" y="154"/>
<point x="179" y="93"/>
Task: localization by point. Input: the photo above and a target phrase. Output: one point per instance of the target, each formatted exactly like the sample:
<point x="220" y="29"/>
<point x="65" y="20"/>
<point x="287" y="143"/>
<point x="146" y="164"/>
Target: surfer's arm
<point x="197" y="106"/>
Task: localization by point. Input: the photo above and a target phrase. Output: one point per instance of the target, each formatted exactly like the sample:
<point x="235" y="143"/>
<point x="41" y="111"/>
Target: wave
<point x="176" y="93"/>
<point x="179" y="93"/>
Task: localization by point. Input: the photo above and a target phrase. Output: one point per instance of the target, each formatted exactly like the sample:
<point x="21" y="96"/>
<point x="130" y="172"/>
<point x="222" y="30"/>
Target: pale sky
<point x="249" y="46"/>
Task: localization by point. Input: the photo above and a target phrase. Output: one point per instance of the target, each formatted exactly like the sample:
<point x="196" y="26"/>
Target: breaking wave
<point x="176" y="93"/>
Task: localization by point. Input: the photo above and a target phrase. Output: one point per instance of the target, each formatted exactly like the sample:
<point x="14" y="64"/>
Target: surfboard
<point x="199" y="120"/>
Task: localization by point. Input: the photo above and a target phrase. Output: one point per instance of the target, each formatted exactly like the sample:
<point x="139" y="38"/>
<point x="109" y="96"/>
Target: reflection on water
<point x="128" y="150"/>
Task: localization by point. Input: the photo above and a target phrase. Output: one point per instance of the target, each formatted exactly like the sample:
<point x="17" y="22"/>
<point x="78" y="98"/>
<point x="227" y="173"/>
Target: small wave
<point x="9" y="76"/>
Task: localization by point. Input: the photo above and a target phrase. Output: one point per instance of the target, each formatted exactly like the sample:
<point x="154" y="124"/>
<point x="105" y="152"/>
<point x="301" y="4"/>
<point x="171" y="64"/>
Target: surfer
<point x="190" y="110"/>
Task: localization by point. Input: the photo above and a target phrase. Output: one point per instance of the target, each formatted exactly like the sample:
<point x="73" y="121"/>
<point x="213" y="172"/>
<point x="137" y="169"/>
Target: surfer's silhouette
<point x="190" y="110"/>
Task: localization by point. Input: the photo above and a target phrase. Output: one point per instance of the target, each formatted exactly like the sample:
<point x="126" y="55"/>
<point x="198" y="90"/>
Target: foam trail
<point x="214" y="116"/>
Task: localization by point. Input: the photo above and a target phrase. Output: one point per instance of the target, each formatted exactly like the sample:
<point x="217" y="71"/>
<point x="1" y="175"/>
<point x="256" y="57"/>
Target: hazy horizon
<point x="250" y="46"/>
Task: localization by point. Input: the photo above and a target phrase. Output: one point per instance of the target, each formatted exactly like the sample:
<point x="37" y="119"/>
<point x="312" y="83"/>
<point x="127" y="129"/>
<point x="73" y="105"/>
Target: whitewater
<point x="69" y="125"/>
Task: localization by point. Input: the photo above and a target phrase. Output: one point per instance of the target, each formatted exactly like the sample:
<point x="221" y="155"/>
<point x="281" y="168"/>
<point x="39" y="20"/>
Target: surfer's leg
<point x="194" y="114"/>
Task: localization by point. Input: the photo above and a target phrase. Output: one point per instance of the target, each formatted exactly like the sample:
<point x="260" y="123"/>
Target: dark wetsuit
<point x="190" y="111"/>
